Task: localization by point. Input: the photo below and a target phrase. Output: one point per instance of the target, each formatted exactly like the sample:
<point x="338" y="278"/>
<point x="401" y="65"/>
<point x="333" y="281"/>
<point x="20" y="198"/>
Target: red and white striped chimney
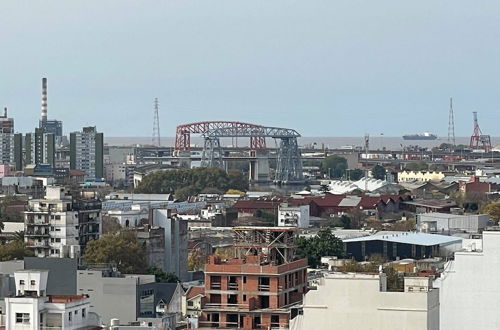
<point x="44" y="100"/>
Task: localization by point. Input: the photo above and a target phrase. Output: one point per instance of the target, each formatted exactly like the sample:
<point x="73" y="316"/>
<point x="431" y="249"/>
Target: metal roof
<point x="415" y="238"/>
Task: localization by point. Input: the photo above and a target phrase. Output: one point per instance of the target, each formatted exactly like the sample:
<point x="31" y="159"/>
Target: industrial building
<point x="402" y="245"/>
<point x="87" y="153"/>
<point x="362" y="301"/>
<point x="260" y="288"/>
<point x="444" y="223"/>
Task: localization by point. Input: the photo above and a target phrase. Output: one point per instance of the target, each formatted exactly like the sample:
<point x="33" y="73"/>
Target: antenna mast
<point x="156" y="124"/>
<point x="451" y="125"/>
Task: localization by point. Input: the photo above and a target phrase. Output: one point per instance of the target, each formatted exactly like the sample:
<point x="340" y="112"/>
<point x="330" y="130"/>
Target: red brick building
<point x="259" y="289"/>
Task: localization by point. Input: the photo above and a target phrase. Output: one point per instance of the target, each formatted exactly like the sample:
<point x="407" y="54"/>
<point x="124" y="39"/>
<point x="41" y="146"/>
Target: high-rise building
<point x="10" y="143"/>
<point x="87" y="152"/>
<point x="6" y="124"/>
<point x="40" y="148"/>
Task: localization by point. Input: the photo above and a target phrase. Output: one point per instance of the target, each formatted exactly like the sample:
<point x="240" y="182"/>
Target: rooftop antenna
<point x="451" y="125"/>
<point x="156" y="124"/>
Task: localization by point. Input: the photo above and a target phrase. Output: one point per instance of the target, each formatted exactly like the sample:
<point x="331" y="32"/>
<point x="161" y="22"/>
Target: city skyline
<point x="325" y="69"/>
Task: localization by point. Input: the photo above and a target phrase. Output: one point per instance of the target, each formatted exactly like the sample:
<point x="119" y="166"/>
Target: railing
<point x="37" y="233"/>
<point x="264" y="287"/>
<point x="232" y="286"/>
<point x="226" y="306"/>
<point x="215" y="286"/>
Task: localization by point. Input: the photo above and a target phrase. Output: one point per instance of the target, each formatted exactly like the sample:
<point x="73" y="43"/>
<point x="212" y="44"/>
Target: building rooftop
<point x="408" y="238"/>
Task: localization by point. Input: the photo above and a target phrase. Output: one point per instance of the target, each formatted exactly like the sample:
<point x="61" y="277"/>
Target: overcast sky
<point x="325" y="68"/>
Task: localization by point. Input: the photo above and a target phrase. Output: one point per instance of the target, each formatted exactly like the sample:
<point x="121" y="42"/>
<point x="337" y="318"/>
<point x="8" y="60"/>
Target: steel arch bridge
<point x="289" y="161"/>
<point x="183" y="133"/>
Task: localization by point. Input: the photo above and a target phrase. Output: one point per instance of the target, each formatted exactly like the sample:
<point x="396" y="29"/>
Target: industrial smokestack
<point x="44" y="100"/>
<point x="5" y="112"/>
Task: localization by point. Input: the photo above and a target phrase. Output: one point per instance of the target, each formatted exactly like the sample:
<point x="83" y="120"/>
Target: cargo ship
<point x="420" y="136"/>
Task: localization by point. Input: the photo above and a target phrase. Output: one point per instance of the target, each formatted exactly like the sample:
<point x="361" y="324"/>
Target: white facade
<point x="361" y="301"/>
<point x="132" y="217"/>
<point x="32" y="309"/>
<point x="446" y="223"/>
<point x="293" y="216"/>
<point x="51" y="228"/>
<point x="470" y="290"/>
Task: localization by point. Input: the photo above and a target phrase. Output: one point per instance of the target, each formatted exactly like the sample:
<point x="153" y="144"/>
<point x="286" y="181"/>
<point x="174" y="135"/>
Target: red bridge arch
<point x="183" y="133"/>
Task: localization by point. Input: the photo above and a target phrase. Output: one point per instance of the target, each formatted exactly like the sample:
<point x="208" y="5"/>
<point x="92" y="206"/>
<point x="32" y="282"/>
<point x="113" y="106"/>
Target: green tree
<point x="378" y="172"/>
<point x="346" y="221"/>
<point x="161" y="276"/>
<point x="121" y="250"/>
<point x="417" y="166"/>
<point x="237" y="180"/>
<point x="188" y="182"/>
<point x="493" y="210"/>
<point x="323" y="244"/>
<point x="356" y="174"/>
<point x="324" y="188"/>
<point x="14" y="250"/>
<point x="110" y="225"/>
<point x="334" y="166"/>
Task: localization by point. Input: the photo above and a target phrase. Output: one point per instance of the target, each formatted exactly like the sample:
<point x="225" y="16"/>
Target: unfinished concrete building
<point x="261" y="287"/>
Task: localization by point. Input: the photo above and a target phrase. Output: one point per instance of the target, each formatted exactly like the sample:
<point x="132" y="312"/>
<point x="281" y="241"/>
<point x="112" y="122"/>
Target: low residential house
<point x="192" y="301"/>
<point x="428" y="205"/>
<point x="249" y="207"/>
<point x="160" y="299"/>
<point x="31" y="308"/>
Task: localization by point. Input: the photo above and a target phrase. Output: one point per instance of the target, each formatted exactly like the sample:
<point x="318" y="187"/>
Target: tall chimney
<point x="44" y="100"/>
<point x="5" y="112"/>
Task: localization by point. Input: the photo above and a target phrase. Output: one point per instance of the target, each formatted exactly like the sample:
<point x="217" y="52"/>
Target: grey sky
<point x="325" y="68"/>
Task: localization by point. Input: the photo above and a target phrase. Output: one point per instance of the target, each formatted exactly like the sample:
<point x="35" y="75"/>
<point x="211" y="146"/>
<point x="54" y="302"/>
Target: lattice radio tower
<point x="451" y="125"/>
<point x="156" y="124"/>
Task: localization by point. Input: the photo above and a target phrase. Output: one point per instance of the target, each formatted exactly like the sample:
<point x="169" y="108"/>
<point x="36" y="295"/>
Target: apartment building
<point x="40" y="148"/>
<point x="258" y="289"/>
<point x="57" y="226"/>
<point x="87" y="152"/>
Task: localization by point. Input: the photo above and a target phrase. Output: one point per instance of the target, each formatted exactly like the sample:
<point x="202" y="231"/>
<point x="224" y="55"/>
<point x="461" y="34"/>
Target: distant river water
<point x="376" y="142"/>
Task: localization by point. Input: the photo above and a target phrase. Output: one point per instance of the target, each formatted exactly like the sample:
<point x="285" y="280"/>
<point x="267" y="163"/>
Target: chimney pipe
<point x="44" y="100"/>
<point x="5" y="112"/>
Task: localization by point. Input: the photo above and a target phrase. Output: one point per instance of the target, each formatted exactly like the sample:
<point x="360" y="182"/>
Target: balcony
<point x="232" y="286"/>
<point x="37" y="244"/>
<point x="263" y="287"/>
<point x="42" y="233"/>
<point x="215" y="286"/>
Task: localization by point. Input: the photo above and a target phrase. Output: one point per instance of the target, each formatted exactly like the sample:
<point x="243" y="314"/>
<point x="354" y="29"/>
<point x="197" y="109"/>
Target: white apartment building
<point x="32" y="309"/>
<point x="361" y="301"/>
<point x="470" y="290"/>
<point x="293" y="216"/>
<point x="51" y="228"/>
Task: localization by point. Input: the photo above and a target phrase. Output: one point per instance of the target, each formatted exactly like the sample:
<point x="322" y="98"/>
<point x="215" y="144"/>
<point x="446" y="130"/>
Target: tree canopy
<point x="188" y="182"/>
<point x="120" y="250"/>
<point x="356" y="174"/>
<point x="14" y="250"/>
<point x="493" y="210"/>
<point x="334" y="166"/>
<point x="321" y="245"/>
<point x="378" y="172"/>
<point x="161" y="276"/>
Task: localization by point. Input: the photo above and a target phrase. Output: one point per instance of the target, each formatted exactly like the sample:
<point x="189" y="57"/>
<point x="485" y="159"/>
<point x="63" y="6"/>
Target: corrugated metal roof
<point x="408" y="238"/>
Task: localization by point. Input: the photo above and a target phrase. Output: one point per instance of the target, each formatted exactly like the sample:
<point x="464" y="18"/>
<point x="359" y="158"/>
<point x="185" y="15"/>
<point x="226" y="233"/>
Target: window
<point x="21" y="282"/>
<point x="190" y="303"/>
<point x="22" y="318"/>
<point x="244" y="279"/>
<point x="76" y="312"/>
<point x="70" y="316"/>
<point x="58" y="240"/>
<point x="32" y="282"/>
<point x="83" y="312"/>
